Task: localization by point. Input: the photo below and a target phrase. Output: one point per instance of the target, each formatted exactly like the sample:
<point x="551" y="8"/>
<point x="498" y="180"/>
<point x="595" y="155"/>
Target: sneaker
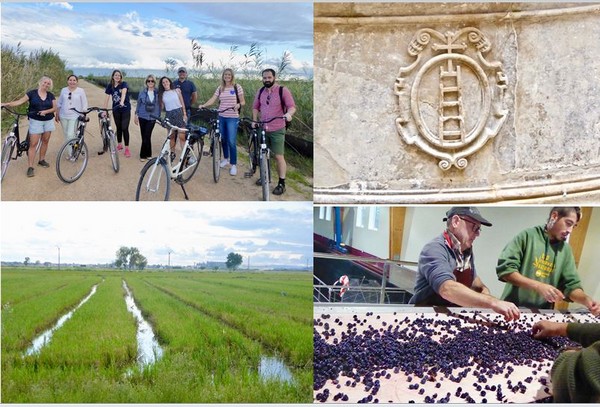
<point x="172" y="156"/>
<point x="119" y="147"/>
<point x="43" y="163"/>
<point x="127" y="152"/>
<point x="233" y="170"/>
<point x="142" y="159"/>
<point x="279" y="189"/>
<point x="259" y="182"/>
<point x="224" y="163"/>
<point x="30" y="172"/>
<point x="191" y="161"/>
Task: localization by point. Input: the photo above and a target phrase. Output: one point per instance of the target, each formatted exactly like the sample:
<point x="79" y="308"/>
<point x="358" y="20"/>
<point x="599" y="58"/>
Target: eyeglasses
<point x="476" y="228"/>
<point x="150" y="80"/>
<point x="268" y="99"/>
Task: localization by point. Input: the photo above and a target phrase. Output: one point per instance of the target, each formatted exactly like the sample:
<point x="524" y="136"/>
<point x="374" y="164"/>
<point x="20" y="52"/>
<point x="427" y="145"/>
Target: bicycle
<point x="216" y="146"/>
<point x="109" y="139"/>
<point x="13" y="141"/>
<point x="154" y="183"/>
<point x="73" y="156"/>
<point x="259" y="153"/>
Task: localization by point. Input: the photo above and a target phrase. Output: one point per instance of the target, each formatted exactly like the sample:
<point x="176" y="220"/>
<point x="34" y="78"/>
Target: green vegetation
<point x="233" y="260"/>
<point x="213" y="327"/>
<point x="21" y="72"/>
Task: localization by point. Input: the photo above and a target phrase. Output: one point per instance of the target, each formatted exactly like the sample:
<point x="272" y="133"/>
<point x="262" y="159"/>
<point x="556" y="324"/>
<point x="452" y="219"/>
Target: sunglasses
<point x="268" y="99"/>
<point x="150" y="80"/>
<point x="70" y="95"/>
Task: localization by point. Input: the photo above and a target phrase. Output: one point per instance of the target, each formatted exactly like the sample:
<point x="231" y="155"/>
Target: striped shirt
<point x="227" y="99"/>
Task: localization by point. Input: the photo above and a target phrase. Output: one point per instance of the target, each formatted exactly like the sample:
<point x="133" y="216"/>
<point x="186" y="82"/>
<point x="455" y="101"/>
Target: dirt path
<point x="100" y="183"/>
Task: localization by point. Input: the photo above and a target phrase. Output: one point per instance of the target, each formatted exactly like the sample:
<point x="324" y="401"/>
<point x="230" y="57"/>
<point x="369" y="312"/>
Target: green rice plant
<point x="22" y="321"/>
<point x="257" y="318"/>
<point x="101" y="334"/>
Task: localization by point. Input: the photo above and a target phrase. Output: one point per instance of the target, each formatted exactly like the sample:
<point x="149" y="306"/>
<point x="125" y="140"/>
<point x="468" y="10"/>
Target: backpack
<point x="283" y="106"/>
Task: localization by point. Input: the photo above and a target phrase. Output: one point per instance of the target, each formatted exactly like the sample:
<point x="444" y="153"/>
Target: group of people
<point x="176" y="99"/>
<point x="539" y="270"/>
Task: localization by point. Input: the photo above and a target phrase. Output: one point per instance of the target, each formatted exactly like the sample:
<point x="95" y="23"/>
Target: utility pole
<point x="169" y="266"/>
<point x="58" y="247"/>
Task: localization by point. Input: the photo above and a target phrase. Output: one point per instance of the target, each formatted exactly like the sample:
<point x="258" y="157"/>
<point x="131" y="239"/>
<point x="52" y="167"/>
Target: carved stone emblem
<point x="451" y="98"/>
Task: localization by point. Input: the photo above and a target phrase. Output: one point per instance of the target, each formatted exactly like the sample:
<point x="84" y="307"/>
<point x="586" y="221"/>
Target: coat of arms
<point x="451" y="98"/>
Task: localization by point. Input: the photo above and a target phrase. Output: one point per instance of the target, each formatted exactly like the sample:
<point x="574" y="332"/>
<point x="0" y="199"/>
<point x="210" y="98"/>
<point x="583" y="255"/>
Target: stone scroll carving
<point x="451" y="98"/>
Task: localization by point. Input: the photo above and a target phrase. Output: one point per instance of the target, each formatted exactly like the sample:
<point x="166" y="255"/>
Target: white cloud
<point x="64" y="5"/>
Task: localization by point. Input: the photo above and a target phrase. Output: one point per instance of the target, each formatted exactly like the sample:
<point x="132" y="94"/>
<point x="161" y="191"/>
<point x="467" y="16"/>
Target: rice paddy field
<point x="232" y="337"/>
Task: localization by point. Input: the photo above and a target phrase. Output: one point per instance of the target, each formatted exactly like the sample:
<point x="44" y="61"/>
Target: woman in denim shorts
<point x="42" y="105"/>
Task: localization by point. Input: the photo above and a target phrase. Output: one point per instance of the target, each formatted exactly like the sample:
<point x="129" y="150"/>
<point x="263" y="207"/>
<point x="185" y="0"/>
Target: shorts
<point x="276" y="141"/>
<point x="41" y="126"/>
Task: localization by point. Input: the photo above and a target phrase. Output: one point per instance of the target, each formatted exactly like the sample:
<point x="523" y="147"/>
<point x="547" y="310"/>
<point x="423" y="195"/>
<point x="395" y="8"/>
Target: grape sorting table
<point x="407" y="354"/>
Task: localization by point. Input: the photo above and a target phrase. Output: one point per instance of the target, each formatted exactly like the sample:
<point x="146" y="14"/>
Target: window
<point x="325" y="213"/>
<point x="374" y="216"/>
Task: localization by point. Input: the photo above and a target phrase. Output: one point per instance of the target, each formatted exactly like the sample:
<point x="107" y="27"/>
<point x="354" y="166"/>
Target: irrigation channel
<point x="39" y="342"/>
<point x="149" y="350"/>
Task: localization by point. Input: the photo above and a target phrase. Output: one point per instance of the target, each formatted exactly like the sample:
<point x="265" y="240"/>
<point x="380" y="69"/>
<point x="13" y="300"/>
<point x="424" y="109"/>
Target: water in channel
<point x="45" y="337"/>
<point x="149" y="351"/>
<point x="273" y="368"/>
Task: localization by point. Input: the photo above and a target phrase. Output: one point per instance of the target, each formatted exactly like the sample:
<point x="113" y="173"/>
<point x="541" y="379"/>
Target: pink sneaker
<point x="119" y="147"/>
<point x="127" y="153"/>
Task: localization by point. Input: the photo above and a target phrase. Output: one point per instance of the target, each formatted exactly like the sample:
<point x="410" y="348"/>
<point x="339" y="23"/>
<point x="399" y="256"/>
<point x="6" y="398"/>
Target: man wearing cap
<point x="538" y="264"/>
<point x="188" y="90"/>
<point x="446" y="271"/>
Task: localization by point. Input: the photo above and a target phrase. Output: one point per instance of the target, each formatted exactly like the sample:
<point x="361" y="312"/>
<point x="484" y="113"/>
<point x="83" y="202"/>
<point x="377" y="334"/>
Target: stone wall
<point x="432" y="102"/>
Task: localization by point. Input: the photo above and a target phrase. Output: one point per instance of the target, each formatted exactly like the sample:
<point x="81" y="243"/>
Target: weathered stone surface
<point x="547" y="147"/>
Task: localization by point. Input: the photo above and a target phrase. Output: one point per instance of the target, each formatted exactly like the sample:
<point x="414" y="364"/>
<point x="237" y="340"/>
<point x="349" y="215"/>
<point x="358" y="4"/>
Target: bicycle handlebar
<point x="260" y="122"/>
<point x="215" y="110"/>
<point x="13" y="112"/>
<point x="91" y="109"/>
<point x="167" y="124"/>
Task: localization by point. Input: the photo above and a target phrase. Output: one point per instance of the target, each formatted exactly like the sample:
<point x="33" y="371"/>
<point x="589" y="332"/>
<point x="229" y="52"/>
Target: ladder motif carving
<point x="450" y="109"/>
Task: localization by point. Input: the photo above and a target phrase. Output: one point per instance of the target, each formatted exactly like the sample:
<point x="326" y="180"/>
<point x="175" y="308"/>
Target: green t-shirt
<point x="531" y="254"/>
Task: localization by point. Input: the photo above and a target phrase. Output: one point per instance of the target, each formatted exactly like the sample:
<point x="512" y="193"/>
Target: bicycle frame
<point x="13" y="140"/>
<point x="183" y="170"/>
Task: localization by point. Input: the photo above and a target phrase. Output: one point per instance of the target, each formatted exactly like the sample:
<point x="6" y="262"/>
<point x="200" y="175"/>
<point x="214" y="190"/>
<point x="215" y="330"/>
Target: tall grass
<point x="21" y="72"/>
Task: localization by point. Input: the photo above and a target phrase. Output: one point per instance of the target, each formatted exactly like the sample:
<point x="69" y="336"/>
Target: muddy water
<point x="149" y="351"/>
<point x="45" y="337"/>
<point x="273" y="368"/>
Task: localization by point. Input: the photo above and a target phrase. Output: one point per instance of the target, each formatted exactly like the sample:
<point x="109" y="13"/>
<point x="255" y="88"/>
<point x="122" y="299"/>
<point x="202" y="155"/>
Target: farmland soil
<point x="101" y="183"/>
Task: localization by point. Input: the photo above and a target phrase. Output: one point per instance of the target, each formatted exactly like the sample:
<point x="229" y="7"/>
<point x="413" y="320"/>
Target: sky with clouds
<point x="142" y="35"/>
<point x="270" y="233"/>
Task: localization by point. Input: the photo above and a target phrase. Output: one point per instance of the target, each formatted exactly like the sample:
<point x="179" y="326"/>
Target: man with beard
<point x="273" y="100"/>
<point x="446" y="272"/>
<point x="538" y="264"/>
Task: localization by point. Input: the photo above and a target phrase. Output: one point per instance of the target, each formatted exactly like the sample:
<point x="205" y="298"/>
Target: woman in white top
<point x="172" y="102"/>
<point x="71" y="96"/>
<point x="230" y="95"/>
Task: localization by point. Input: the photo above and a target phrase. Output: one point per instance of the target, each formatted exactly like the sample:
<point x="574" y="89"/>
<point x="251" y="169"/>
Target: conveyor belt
<point x="403" y="354"/>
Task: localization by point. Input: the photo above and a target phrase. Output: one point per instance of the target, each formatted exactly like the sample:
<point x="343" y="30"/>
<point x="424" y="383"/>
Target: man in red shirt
<point x="272" y="102"/>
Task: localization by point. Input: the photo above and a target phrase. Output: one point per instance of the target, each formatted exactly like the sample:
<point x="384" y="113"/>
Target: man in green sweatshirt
<point x="575" y="374"/>
<point x="538" y="265"/>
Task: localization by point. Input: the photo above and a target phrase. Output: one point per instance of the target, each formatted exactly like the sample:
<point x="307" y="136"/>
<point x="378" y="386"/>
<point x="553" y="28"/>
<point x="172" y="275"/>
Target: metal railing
<point x="395" y="272"/>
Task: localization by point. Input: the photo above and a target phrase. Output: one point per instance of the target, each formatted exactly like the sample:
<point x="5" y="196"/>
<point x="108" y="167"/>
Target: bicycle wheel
<point x="217" y="152"/>
<point x="112" y="146"/>
<point x="72" y="160"/>
<point x="264" y="176"/>
<point x="154" y="183"/>
<point x="253" y="154"/>
<point x="7" y="151"/>
<point x="190" y="162"/>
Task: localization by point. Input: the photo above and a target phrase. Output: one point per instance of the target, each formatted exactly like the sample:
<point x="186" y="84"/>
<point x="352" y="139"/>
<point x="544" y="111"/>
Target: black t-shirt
<point x="36" y="104"/>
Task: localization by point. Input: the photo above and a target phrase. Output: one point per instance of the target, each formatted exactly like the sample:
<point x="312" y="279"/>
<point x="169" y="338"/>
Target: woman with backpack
<point x="147" y="106"/>
<point x="230" y="94"/>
